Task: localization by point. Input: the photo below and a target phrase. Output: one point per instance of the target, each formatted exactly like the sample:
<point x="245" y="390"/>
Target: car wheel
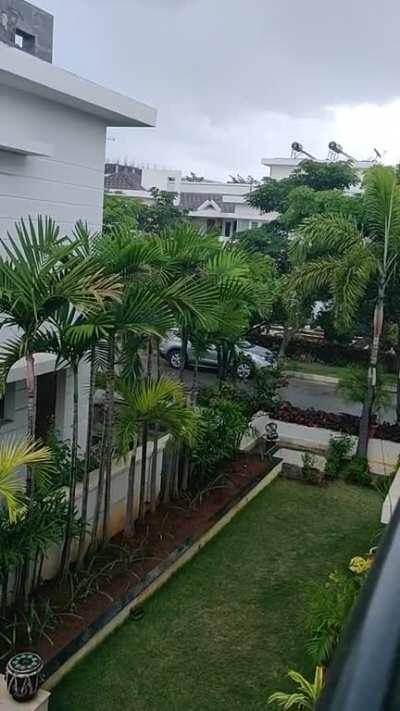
<point x="174" y="358"/>
<point x="243" y="371"/>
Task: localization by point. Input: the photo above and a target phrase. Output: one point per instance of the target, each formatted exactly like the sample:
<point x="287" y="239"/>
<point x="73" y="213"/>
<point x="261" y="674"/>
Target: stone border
<point x="118" y="612"/>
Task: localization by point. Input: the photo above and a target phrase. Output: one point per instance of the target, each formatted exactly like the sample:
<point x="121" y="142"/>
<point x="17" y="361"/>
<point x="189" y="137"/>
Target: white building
<point x="52" y="149"/>
<point x="211" y="205"/>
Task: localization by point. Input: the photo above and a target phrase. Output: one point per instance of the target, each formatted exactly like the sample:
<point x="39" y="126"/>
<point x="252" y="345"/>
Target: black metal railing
<point x="365" y="673"/>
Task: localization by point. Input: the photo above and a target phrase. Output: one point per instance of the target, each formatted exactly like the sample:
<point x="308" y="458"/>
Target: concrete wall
<point x="35" y="24"/>
<point x="67" y="184"/>
<point x="118" y="497"/>
<point x="383" y="456"/>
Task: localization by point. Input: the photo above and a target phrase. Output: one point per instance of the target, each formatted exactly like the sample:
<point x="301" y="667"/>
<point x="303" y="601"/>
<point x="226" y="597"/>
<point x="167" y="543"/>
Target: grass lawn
<point x="221" y="635"/>
<point x="332" y="371"/>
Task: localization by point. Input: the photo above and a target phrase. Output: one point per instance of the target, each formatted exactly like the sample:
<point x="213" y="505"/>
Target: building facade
<point x="211" y="205"/>
<point x="52" y="149"/>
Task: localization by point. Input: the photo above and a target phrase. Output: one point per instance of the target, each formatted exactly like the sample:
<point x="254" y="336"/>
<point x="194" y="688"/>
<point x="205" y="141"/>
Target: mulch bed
<point x="180" y="523"/>
<point x="342" y="422"/>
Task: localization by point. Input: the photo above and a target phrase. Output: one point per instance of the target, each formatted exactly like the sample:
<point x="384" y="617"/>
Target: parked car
<point x="248" y="356"/>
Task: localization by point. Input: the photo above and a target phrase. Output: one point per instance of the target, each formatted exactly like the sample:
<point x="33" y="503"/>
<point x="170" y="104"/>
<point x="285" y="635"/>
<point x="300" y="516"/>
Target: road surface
<point x="300" y="393"/>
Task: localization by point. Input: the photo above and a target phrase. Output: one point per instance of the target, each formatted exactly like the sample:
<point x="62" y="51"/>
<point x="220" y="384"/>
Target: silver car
<point x="249" y="356"/>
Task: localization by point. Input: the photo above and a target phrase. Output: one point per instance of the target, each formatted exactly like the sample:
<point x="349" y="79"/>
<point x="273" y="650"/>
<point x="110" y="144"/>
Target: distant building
<point x="52" y="144"/>
<point x="211" y="205"/>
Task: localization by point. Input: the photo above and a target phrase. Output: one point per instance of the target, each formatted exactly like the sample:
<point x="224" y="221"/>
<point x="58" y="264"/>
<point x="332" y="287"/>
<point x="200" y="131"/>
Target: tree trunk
<point x="110" y="397"/>
<point x="363" y="434"/>
<point x="153" y="475"/>
<point x="31" y="417"/>
<point x="65" y="558"/>
<point x="184" y="348"/>
<point x="288" y="334"/>
<point x="89" y="437"/>
<point x="130" y="498"/>
<point x="142" y="501"/>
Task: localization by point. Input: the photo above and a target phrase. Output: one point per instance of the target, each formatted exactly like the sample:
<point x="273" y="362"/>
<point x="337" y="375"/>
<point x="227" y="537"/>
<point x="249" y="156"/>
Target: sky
<point x="236" y="81"/>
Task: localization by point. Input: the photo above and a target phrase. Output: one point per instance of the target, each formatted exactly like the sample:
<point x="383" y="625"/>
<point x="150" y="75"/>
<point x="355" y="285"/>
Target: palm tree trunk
<point x="363" y="434"/>
<point x="31" y="416"/>
<point x="110" y="398"/>
<point x="89" y="437"/>
<point x="66" y="553"/>
<point x="184" y="348"/>
<point x="130" y="498"/>
<point x="153" y="475"/>
<point x="288" y="334"/>
<point x="142" y="501"/>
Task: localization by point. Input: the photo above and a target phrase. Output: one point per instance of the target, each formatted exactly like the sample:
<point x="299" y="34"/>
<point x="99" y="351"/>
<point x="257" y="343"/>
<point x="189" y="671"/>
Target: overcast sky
<point x="235" y="81"/>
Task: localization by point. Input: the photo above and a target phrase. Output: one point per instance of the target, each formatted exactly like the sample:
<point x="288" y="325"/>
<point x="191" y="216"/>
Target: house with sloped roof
<point x="211" y="205"/>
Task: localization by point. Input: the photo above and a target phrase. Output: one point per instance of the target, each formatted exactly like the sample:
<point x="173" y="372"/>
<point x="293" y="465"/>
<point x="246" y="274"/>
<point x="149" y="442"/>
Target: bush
<point x="220" y="429"/>
<point x="338" y="450"/>
<point x="330" y="607"/>
<point x="357" y="472"/>
<point x="311" y="474"/>
<point x="261" y="394"/>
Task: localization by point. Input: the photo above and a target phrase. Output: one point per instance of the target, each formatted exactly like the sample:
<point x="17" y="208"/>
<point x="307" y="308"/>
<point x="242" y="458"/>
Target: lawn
<point x="331" y="371"/>
<point x="222" y="633"/>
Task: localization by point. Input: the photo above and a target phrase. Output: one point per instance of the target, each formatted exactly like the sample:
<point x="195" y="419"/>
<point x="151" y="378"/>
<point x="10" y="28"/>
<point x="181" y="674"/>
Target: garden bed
<point x="342" y="422"/>
<point x="83" y="608"/>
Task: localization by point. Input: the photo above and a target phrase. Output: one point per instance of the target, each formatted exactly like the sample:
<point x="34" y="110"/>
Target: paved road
<point x="299" y="393"/>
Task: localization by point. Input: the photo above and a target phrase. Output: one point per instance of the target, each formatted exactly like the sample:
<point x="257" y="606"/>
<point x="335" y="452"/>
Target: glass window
<point x="227" y="231"/>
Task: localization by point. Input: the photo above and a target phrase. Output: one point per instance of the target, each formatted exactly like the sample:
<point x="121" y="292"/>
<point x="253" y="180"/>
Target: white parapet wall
<point x="119" y="486"/>
<point x="383" y="456"/>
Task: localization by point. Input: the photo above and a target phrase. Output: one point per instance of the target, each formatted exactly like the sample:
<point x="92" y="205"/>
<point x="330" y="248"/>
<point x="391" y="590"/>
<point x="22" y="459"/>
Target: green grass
<point x="221" y="635"/>
<point x="332" y="371"/>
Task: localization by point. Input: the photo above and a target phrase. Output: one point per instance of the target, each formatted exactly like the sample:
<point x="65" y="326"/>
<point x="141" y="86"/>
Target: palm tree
<point x="344" y="262"/>
<point x="39" y="273"/>
<point x="307" y="695"/>
<point x="160" y="402"/>
<point x="14" y="455"/>
<point x="353" y="386"/>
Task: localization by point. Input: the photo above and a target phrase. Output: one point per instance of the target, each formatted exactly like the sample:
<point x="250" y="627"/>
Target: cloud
<point x="234" y="79"/>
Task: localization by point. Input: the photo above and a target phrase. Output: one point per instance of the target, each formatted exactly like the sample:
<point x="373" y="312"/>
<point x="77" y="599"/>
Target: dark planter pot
<point x="23" y="674"/>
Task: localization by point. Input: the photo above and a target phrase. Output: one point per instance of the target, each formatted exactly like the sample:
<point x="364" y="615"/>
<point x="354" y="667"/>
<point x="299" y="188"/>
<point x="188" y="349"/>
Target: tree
<point x="344" y="261"/>
<point x="120" y="211"/>
<point x="39" y="273"/>
<point x="353" y="386"/>
<point x="273" y="195"/>
<point x="161" y="215"/>
<point x="161" y="402"/>
<point x="13" y="456"/>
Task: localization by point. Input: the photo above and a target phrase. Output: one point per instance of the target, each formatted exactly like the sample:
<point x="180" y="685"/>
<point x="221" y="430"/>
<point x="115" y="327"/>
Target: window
<point x="227" y="230"/>
<point x="235" y="226"/>
<point x="253" y="225"/>
<point x="24" y="41"/>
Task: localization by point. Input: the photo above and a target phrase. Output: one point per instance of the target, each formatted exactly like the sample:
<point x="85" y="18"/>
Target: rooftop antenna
<point x="336" y="150"/>
<point x="297" y="150"/>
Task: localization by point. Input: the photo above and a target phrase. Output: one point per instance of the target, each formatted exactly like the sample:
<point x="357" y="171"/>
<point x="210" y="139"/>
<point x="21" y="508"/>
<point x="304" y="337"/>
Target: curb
<point x="115" y="616"/>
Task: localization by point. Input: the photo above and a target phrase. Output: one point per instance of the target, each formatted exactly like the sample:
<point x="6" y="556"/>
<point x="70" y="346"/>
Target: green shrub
<point x="338" y="451"/>
<point x="357" y="472"/>
<point x="311" y="474"/>
<point x="330" y="607"/>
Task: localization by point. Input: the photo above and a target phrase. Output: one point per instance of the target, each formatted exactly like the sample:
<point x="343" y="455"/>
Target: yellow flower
<point x="360" y="565"/>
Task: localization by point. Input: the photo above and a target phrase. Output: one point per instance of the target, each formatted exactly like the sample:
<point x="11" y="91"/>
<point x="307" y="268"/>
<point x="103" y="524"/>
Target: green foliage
<point x="330" y="607"/>
<point x="121" y="212"/>
<point x="357" y="471"/>
<point x="271" y="239"/>
<point x="307" y="693"/>
<point x="273" y="195"/>
<point x="161" y="215"/>
<point x="311" y="474"/>
<point x="61" y="459"/>
<point x="261" y="394"/>
<point x="221" y="427"/>
<point x="353" y="387"/>
<point x="338" y="451"/>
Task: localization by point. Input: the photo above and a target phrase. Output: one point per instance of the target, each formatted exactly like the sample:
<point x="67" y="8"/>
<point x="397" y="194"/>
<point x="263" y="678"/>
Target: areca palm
<point x="14" y="455"/>
<point x="160" y="402"/>
<point x="344" y="261"/>
<point x="39" y="273"/>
